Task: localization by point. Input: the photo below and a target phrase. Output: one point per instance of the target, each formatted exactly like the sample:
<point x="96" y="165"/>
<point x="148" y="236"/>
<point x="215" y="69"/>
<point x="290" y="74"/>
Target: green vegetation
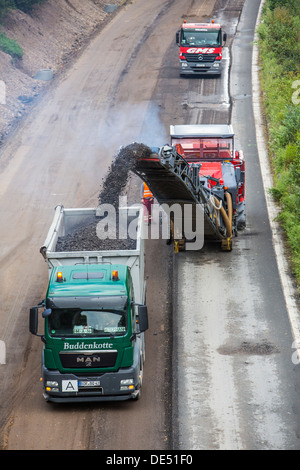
<point x="4" y="6"/>
<point x="24" y="5"/>
<point x="10" y="46"/>
<point x="279" y="45"/>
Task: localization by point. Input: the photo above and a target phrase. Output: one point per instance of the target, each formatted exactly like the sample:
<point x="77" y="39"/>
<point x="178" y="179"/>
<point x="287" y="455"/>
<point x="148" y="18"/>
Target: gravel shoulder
<point x="52" y="37"/>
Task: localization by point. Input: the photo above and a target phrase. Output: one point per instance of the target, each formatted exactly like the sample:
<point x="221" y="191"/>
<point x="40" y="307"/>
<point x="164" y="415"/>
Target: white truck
<point x="94" y="311"/>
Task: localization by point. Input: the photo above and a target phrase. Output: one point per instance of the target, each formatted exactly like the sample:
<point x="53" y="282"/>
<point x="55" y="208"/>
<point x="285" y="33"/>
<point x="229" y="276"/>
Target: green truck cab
<point x="94" y="323"/>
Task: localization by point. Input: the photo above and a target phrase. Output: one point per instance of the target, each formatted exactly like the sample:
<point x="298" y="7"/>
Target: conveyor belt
<point x="173" y="180"/>
<point x="167" y="185"/>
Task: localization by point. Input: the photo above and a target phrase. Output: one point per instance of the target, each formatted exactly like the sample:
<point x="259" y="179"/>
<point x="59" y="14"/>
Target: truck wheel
<point x="141" y="373"/>
<point x="241" y="216"/>
<point x="138" y="392"/>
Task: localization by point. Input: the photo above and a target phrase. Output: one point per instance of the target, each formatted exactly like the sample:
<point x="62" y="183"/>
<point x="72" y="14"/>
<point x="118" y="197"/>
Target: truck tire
<point x="138" y="394"/>
<point x="241" y="216"/>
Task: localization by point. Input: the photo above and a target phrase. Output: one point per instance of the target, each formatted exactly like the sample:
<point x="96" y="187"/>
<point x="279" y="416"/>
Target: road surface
<point x="238" y="387"/>
<point x="202" y="388"/>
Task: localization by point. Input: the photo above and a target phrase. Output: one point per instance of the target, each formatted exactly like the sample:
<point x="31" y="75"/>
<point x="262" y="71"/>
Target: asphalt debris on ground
<point x="263" y="348"/>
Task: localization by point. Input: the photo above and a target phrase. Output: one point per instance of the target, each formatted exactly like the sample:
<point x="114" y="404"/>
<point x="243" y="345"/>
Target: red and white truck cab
<point x="200" y="48"/>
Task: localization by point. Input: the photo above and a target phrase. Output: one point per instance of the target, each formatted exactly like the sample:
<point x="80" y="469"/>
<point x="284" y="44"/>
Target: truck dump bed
<point x="72" y="228"/>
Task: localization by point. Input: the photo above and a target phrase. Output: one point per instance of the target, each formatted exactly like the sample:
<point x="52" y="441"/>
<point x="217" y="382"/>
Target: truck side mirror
<point x="177" y="37"/>
<point x="33" y="320"/>
<point x="46" y="312"/>
<point x="143" y="317"/>
<point x="224" y="37"/>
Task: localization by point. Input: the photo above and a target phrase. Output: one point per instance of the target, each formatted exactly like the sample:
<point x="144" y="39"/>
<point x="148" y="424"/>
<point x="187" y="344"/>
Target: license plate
<point x="69" y="386"/>
<point x="89" y="383"/>
<point x="200" y="65"/>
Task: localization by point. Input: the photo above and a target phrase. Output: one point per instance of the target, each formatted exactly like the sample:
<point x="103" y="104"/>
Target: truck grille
<point x="195" y="57"/>
<point x="88" y="360"/>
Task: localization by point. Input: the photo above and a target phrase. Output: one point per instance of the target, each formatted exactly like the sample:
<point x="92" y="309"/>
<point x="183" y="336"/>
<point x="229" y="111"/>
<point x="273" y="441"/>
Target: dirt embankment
<point x="50" y="36"/>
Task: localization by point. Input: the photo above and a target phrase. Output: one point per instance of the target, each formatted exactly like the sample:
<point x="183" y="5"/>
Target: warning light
<point x="59" y="276"/>
<point x="115" y="275"/>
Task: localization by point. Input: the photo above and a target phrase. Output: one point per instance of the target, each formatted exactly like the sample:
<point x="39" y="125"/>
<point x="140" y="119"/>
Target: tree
<point x="26" y="5"/>
<point x="5" y="5"/>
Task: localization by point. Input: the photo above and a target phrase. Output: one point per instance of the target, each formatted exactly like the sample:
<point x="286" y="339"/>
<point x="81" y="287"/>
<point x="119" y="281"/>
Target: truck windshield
<point x="201" y="38"/>
<point x="77" y="322"/>
<point x="206" y="149"/>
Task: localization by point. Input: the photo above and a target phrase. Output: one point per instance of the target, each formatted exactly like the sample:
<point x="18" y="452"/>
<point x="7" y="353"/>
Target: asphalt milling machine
<point x="200" y="168"/>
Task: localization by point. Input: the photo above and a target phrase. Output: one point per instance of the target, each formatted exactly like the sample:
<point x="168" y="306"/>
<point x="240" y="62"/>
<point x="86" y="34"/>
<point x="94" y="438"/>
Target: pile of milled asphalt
<point x="114" y="185"/>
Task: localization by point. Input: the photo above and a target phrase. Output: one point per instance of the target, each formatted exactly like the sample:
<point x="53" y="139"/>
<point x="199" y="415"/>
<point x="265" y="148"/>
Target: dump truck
<point x="94" y="313"/>
<point x="200" y="48"/>
<point x="202" y="169"/>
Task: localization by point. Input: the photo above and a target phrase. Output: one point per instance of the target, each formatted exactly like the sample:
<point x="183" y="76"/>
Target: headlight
<point x="51" y="383"/>
<point x="216" y="64"/>
<point x="126" y="382"/>
<point x="52" y="386"/>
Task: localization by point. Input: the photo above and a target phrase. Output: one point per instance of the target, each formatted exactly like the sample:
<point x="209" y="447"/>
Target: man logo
<point x="87" y="361"/>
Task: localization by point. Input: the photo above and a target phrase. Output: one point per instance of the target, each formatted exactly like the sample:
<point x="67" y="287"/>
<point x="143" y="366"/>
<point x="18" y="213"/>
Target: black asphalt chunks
<point x="85" y="238"/>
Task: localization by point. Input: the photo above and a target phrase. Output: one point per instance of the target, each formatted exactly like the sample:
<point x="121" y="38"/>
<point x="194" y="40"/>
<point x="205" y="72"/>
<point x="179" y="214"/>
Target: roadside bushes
<point x="279" y="45"/>
<point x="10" y="46"/>
<point x="7" y="45"/>
<point x="24" y="5"/>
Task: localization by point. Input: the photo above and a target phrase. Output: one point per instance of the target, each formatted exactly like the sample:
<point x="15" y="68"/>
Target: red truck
<point x="222" y="168"/>
<point x="202" y="168"/>
<point x="200" y="48"/>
